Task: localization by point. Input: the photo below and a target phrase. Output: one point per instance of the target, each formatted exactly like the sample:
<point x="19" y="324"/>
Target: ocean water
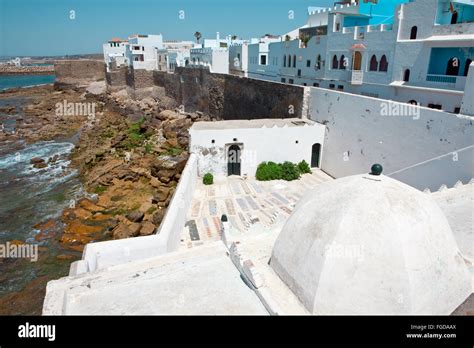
<point x="29" y="196"/>
<point x="14" y="81"/>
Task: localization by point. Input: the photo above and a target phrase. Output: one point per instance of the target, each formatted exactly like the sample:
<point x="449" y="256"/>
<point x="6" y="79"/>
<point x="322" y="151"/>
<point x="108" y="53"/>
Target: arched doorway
<point x="233" y="160"/>
<point x="357" y="61"/>
<point x="454" y="18"/>
<point x="466" y="66"/>
<point x="413" y="32"/>
<point x="315" y="155"/>
<point x="406" y="75"/>
<point x="452" y="68"/>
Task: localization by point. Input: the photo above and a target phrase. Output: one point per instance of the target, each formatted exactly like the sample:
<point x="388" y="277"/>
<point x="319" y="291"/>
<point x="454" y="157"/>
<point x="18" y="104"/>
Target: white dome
<point x="369" y="244"/>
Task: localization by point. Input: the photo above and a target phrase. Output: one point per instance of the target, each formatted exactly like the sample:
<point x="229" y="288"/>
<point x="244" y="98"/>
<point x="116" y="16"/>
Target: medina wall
<point x="223" y="97"/>
<point x="78" y="71"/>
<point x="425" y="152"/>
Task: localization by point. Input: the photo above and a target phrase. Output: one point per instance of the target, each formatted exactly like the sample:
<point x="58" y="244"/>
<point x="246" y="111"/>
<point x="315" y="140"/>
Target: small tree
<point x="208" y="179"/>
<point x="198" y="36"/>
<point x="304" y="39"/>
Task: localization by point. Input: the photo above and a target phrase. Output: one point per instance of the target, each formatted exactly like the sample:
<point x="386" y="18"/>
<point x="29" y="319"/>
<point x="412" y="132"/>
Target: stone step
<point x="57" y="290"/>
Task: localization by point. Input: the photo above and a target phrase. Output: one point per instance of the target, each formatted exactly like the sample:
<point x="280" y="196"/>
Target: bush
<point x="268" y="171"/>
<point x="303" y="167"/>
<point x="289" y="171"/>
<point x="208" y="179"/>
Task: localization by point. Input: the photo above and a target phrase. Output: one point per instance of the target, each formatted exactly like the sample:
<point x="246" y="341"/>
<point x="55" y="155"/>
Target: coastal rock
<point x="135" y="216"/>
<point x="147" y="228"/>
<point x="89" y="206"/>
<point x="161" y="194"/>
<point x="40" y="165"/>
<point x="158" y="217"/>
<point x="122" y="231"/>
<point x="36" y="160"/>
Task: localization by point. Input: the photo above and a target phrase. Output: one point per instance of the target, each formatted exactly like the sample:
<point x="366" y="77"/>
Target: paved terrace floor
<point x="251" y="206"/>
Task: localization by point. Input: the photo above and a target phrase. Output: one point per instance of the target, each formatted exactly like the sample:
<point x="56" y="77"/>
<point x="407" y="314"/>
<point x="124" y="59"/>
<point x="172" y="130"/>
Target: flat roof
<point x="257" y="123"/>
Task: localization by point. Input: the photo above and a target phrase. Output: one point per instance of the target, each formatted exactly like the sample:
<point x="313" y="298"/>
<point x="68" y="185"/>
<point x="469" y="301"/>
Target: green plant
<point x="268" y="171"/>
<point x="148" y="148"/>
<point x="100" y="189"/>
<point x="303" y="167"/>
<point x="208" y="179"/>
<point x="289" y="171"/>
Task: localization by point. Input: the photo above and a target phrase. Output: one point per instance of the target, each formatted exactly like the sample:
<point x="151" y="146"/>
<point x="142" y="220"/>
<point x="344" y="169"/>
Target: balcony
<point x="441" y="78"/>
<point x="357" y="77"/>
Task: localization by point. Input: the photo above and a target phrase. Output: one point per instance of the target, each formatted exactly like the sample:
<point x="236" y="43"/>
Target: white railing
<point x="357" y="77"/>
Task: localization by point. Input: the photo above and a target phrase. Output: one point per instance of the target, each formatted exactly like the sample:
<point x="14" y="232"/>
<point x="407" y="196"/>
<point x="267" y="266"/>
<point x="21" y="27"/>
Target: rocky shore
<point x="129" y="156"/>
<point x="26" y="70"/>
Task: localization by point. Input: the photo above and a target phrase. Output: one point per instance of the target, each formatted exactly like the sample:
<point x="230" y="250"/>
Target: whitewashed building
<point x="141" y="51"/>
<point x="115" y="53"/>
<point x="411" y="51"/>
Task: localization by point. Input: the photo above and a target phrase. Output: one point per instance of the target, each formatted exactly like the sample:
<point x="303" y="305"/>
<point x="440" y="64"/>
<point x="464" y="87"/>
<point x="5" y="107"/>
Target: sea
<point x="29" y="196"/>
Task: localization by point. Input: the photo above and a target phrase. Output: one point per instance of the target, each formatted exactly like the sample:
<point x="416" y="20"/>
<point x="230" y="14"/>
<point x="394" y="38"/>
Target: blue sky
<point x="43" y="27"/>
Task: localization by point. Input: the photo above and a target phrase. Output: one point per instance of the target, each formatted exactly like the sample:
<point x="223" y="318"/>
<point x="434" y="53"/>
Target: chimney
<point x="217" y="37"/>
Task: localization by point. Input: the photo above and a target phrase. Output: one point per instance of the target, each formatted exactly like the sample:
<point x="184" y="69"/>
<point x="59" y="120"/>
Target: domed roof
<point x="369" y="244"/>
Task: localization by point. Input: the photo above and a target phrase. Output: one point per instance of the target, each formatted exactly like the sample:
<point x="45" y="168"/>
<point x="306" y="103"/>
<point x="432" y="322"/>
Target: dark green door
<point x="315" y="155"/>
<point x="233" y="160"/>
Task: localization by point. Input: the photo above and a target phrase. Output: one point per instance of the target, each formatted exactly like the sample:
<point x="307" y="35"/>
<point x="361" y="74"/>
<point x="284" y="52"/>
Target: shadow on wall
<point x="224" y="97"/>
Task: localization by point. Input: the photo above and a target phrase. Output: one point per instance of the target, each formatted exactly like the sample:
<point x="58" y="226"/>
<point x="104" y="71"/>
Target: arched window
<point x="342" y="63"/>
<point x="294" y="61"/>
<point x="357" y="61"/>
<point x="383" y="66"/>
<point x="289" y="61"/>
<point x="413" y="32"/>
<point x="318" y="62"/>
<point x="453" y="66"/>
<point x="406" y="75"/>
<point x="454" y="18"/>
<point x="373" y="63"/>
<point x="413" y="102"/>
<point x="334" y="62"/>
<point x="284" y="60"/>
<point x="466" y="66"/>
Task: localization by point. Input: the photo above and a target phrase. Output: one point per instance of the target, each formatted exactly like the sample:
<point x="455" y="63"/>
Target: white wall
<point x="104" y="254"/>
<point x="277" y="144"/>
<point x="358" y="136"/>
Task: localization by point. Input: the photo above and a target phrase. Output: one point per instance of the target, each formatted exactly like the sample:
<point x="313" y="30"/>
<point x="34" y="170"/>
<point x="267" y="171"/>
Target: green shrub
<point x="303" y="167"/>
<point x="268" y="171"/>
<point x="208" y="179"/>
<point x="289" y="171"/>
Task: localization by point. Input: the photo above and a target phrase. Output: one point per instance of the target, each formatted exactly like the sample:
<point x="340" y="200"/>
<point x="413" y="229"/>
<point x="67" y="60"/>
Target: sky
<point x="48" y="27"/>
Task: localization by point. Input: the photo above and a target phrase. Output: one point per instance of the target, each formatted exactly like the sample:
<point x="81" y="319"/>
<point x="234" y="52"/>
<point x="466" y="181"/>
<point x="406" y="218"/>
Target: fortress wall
<point x="79" y="70"/>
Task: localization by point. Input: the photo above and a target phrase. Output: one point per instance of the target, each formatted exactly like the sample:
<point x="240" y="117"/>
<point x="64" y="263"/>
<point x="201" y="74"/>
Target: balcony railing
<point x="441" y="78"/>
<point x="357" y="77"/>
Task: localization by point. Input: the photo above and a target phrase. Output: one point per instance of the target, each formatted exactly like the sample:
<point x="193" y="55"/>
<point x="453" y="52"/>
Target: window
<point x="283" y="80"/>
<point x="383" y="66"/>
<point x="340" y="87"/>
<point x="373" y="63"/>
<point x="457" y="110"/>
<point x="291" y="81"/>
<point x="315" y="84"/>
<point x="406" y="75"/>
<point x="466" y="66"/>
<point x="332" y="85"/>
<point x="299" y="72"/>
<point x="213" y="141"/>
<point x="284" y="60"/>
<point x="263" y="59"/>
<point x="342" y="63"/>
<point x="435" y="106"/>
<point x="452" y="68"/>
<point x="413" y="32"/>
<point x="304" y="84"/>
<point x="308" y="63"/>
<point x="294" y="61"/>
<point x="318" y="62"/>
<point x="334" y="62"/>
<point x="413" y="102"/>
<point x="289" y="61"/>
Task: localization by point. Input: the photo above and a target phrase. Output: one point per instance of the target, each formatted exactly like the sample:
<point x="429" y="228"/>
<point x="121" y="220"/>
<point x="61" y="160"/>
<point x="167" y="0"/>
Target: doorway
<point x="233" y="160"/>
<point x="357" y="61"/>
<point x="315" y="155"/>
